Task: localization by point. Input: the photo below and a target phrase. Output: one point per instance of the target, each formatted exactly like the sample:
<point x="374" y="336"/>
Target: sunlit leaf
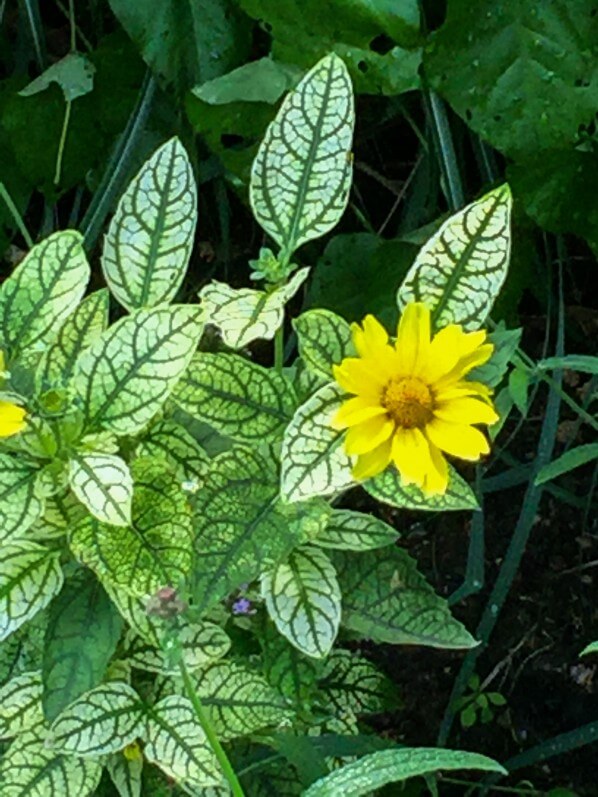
<point x="102" y="721"/>
<point x="125" y="774"/>
<point x="385" y="599"/>
<point x="103" y="483"/>
<point x="170" y="441"/>
<point x="42" y="291"/>
<point x="376" y="770"/>
<point x="124" y="378"/>
<point x="301" y="177"/>
<point x="459" y="272"/>
<point x="176" y="742"/>
<point x="303" y="598"/>
<point x="237" y="397"/>
<point x="387" y="487"/>
<point x="324" y="340"/>
<point x="79" y="331"/>
<point x="313" y="459"/>
<point x="19" y="505"/>
<point x="242" y="314"/>
<point x="199" y="643"/>
<point x="30" y="576"/>
<point x="21" y="704"/>
<point x="30" y="769"/>
<point x="155" y="550"/>
<point x="148" y="243"/>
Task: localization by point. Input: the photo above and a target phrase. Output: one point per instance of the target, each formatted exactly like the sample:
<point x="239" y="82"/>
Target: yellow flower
<point x="12" y="419"/>
<point x="412" y="403"/>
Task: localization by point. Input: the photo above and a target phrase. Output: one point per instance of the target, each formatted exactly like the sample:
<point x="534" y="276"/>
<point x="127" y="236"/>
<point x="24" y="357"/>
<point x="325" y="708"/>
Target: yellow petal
<point x="465" y="364"/>
<point x="457" y="439"/>
<point x="356" y="410"/>
<point x="443" y="353"/>
<point x="437" y="476"/>
<point x="465" y="410"/>
<point x="12" y="419"/>
<point x="372" y="463"/>
<point x="461" y="389"/>
<point x="413" y="337"/>
<point x="358" y="376"/>
<point x="371" y="338"/>
<point x="368" y="435"/>
<point x="411" y="455"/>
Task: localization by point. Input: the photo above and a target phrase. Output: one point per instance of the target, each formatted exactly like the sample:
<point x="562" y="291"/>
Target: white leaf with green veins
<point x="20" y="507"/>
<point x="101" y="721"/>
<point x="237" y="397"/>
<point x="21" y="704"/>
<point x="155" y="550"/>
<point x="175" y="741"/>
<point x="80" y="330"/>
<point x="459" y="272"/>
<point x="125" y="377"/>
<point x="30" y="769"/>
<point x="149" y="240"/>
<point x="304" y="600"/>
<point x="373" y="771"/>
<point x="42" y="291"/>
<point x="30" y="576"/>
<point x="387" y="487"/>
<point x="354" y="531"/>
<point x="313" y="458"/>
<point x="200" y="643"/>
<point x="243" y="314"/>
<point x="301" y="176"/>
<point x="239" y="700"/>
<point x="324" y="340"/>
<point x="103" y="483"/>
<point x="125" y="774"/>
<point x="353" y="684"/>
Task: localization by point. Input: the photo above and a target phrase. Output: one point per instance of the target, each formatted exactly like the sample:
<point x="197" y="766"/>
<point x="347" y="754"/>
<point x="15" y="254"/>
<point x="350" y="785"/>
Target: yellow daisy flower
<point x="412" y="403"/>
<point x="12" y="417"/>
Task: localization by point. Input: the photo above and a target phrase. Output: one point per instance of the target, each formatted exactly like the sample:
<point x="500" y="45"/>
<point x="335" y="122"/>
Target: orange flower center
<point x="408" y="401"/>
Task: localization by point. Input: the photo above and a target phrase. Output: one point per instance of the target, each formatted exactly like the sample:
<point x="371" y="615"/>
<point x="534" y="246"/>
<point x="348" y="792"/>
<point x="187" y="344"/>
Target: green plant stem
<point x="279" y="349"/>
<point x="212" y="737"/>
<point x="62" y="142"/>
<point x="14" y="212"/>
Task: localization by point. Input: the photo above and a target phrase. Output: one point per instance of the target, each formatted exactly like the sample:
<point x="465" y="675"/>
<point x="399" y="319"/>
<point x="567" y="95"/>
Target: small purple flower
<point x="242" y="606"/>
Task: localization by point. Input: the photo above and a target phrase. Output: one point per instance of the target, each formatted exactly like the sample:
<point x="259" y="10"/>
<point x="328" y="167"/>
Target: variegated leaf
<point x="241" y="526"/>
<point x="42" y="291"/>
<point x="125" y="377"/>
<point x="176" y="742"/>
<point x="20" y="506"/>
<point x="301" y="176"/>
<point x="30" y="576"/>
<point x="31" y="769"/>
<point x="125" y="774"/>
<point x="101" y="721"/>
<point x="200" y="643"/>
<point x="304" y="600"/>
<point x="243" y="314"/>
<point x="459" y="272"/>
<point x="354" y="531"/>
<point x="313" y="459"/>
<point x="21" y="704"/>
<point x="170" y="441"/>
<point x="387" y="487"/>
<point x="385" y="599"/>
<point x="237" y="397"/>
<point x="79" y="331"/>
<point x="103" y="483"/>
<point x="155" y="550"/>
<point x="239" y="700"/>
<point x="148" y="244"/>
<point x="353" y="684"/>
<point x="324" y="340"/>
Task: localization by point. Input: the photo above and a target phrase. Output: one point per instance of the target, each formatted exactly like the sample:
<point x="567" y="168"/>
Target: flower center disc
<point x="408" y="401"/>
